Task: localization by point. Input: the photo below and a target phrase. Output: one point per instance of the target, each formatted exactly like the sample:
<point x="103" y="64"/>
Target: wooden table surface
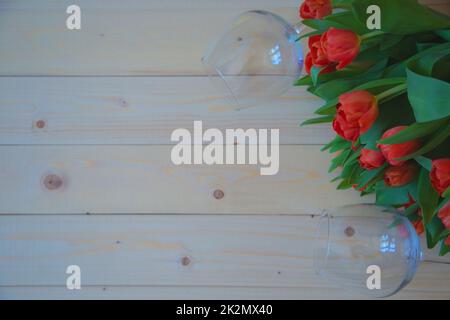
<point x="95" y="108"/>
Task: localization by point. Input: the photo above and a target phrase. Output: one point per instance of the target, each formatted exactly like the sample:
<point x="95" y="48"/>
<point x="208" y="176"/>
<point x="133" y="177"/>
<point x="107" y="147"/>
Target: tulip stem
<point x="393" y="92"/>
<point x="371" y="35"/>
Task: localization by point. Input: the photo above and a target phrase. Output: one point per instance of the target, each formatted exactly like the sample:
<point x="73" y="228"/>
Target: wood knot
<point x="349" y="232"/>
<point x="52" y="182"/>
<point x="185" y="261"/>
<point x="218" y="194"/>
<point x="40" y="124"/>
<point x="123" y="103"/>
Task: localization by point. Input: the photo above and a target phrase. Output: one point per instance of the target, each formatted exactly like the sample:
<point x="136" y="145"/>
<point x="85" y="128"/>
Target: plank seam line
<point x="126" y="145"/>
<point x="207" y="286"/>
<point x="312" y="215"/>
<point x="117" y="76"/>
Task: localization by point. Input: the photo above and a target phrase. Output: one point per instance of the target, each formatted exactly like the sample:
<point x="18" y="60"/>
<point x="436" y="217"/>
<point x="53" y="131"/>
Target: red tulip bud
<point x="315" y="9"/>
<point x="356" y="112"/>
<point x="440" y="175"/>
<point x="400" y="175"/>
<point x="340" y="46"/>
<point x="394" y="151"/>
<point x="371" y="159"/>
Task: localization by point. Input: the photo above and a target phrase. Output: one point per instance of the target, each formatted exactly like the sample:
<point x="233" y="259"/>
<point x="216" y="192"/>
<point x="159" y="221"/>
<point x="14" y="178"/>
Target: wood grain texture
<point x="142" y="179"/>
<point x="139" y="110"/>
<point x="117" y="38"/>
<point x="261" y="250"/>
<point x="136" y="38"/>
<point x="412" y="292"/>
<point x="265" y="252"/>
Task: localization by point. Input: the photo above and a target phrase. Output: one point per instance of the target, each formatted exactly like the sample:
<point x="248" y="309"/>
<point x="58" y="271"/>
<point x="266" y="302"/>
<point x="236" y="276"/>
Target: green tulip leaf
<point x="341" y="3"/>
<point x="329" y="108"/>
<point x="444" y="34"/>
<point x="344" y="185"/>
<point x="402" y="16"/>
<point x="392" y="113"/>
<point x="339" y="160"/>
<point x="404" y="49"/>
<point x="434" y="230"/>
<point x="411" y="210"/>
<point x="427" y="197"/>
<point x="390" y="40"/>
<point x="387" y="196"/>
<point x="415" y="131"/>
<point x="446" y="193"/>
<point x="340" y="20"/>
<point x="337" y="141"/>
<point x="421" y="46"/>
<point x="349" y="170"/>
<point x="399" y="69"/>
<point x="307" y="35"/>
<point x="334" y="88"/>
<point x="346" y="20"/>
<point x="315" y="71"/>
<point x="437" y="139"/>
<point x="424" y="162"/>
<point x="429" y="96"/>
<point x="340" y="146"/>
<point x="369" y="175"/>
<point x="354" y="156"/>
<point x="304" y="81"/>
<point x="324" y="119"/>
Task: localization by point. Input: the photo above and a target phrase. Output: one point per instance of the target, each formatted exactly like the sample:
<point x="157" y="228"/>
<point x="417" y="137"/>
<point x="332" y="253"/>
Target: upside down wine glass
<point x="257" y="59"/>
<point x="371" y="250"/>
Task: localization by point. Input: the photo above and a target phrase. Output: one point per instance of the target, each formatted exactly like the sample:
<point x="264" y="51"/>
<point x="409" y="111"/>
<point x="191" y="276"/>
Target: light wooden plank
<point x="143" y="179"/>
<point x="52" y="5"/>
<point x="139" y="110"/>
<point x="133" y="37"/>
<point x="201" y="293"/>
<point x="224" y="251"/>
<point x="116" y="37"/>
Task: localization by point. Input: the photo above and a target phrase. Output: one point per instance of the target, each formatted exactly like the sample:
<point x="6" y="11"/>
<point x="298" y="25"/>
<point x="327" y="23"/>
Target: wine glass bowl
<point x="353" y="241"/>
<point x="256" y="59"/>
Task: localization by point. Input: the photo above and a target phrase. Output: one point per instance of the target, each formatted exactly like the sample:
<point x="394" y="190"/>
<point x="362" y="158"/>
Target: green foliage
<point x="393" y="113"/>
<point x="435" y="141"/>
<point x="323" y="119"/>
<point x="333" y="88"/>
<point x="389" y="196"/>
<point x="341" y="20"/>
<point x="429" y="96"/>
<point x="415" y="131"/>
<point x="428" y="197"/>
<point x="407" y="67"/>
<point x="446" y="193"/>
<point x="424" y="162"/>
<point x="402" y="16"/>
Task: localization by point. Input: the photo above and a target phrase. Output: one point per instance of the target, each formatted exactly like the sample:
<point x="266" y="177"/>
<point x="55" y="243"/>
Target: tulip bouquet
<point x="387" y="96"/>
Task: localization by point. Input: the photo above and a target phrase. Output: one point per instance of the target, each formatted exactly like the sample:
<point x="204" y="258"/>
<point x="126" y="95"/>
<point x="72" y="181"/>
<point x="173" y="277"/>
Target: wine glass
<point x="371" y="250"/>
<point x="257" y="59"/>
